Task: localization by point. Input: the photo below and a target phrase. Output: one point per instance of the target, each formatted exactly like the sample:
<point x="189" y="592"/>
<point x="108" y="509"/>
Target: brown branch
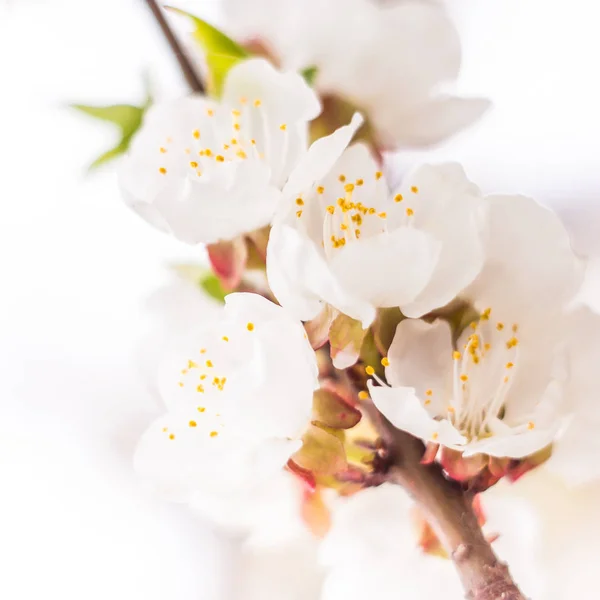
<point x="185" y="64"/>
<point x="450" y="511"/>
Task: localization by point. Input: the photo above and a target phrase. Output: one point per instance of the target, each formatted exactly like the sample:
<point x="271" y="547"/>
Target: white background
<point x="76" y="268"/>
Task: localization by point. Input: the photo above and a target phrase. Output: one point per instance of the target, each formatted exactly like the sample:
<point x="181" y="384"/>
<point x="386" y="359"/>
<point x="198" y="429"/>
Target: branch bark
<point x="185" y="64"/>
<point x="450" y="512"/>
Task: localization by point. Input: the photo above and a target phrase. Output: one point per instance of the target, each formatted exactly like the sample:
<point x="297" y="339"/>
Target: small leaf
<point x="309" y="74"/>
<point x="346" y="337"/>
<point x="332" y="410"/>
<point x="322" y="453"/>
<point x="220" y="51"/>
<point x="212" y="286"/>
<point x="126" y="117"/>
<point x="203" y="278"/>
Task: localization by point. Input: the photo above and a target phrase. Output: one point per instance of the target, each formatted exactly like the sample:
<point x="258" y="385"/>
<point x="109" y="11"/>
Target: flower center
<point x="348" y="213"/>
<point x="224" y="136"/>
<point x="205" y="375"/>
<point x="483" y="371"/>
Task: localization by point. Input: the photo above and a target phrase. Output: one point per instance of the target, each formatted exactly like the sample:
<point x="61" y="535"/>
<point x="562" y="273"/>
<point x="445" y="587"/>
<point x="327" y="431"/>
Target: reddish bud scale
<point x="228" y="260"/>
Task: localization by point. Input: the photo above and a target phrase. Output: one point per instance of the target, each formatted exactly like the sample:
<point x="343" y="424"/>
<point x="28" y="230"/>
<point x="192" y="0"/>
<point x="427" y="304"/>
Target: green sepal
<point x="220" y="51"/>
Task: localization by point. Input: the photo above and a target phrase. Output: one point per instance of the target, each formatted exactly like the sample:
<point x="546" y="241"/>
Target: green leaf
<point x="309" y="74"/>
<point x="221" y="52"/>
<point x="199" y="275"/>
<point x="212" y="286"/>
<point x="126" y="117"/>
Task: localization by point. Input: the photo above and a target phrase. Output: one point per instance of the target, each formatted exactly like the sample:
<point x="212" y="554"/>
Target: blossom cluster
<point x="451" y="313"/>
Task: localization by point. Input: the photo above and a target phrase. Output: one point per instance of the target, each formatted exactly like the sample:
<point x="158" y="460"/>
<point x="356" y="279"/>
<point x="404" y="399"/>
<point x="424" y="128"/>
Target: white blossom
<point x="392" y="59"/>
<point x="565" y="519"/>
<point x="346" y="240"/>
<point x="575" y="453"/>
<point x="287" y="572"/>
<point x="206" y="171"/>
<point x="239" y="395"/>
<point x="501" y="388"/>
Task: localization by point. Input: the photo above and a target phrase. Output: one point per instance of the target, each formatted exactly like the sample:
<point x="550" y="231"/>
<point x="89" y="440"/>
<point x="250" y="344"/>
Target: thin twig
<point x="450" y="511"/>
<point x="189" y="73"/>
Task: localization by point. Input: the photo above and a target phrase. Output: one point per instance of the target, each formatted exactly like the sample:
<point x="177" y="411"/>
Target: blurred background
<point x="80" y="273"/>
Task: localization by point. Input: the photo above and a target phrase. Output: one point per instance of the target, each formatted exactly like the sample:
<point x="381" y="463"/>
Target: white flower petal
<point x="449" y="208"/>
<point x="529" y="260"/>
<point x="518" y="445"/>
<point x="285" y="97"/>
<point x="388" y="269"/>
<point x="301" y="279"/>
<point x="421" y="358"/>
<point x="321" y="157"/>
<point x="178" y="459"/>
<point x="575" y="453"/>
<point x="431" y="122"/>
<point x="404" y="409"/>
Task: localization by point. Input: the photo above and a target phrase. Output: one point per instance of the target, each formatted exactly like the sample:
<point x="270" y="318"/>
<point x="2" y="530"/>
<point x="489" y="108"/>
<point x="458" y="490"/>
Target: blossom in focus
<point x="237" y="407"/>
<point x="206" y="171"/>
<point x="390" y="59"/>
<point x="346" y="240"/>
<point x="501" y="389"/>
